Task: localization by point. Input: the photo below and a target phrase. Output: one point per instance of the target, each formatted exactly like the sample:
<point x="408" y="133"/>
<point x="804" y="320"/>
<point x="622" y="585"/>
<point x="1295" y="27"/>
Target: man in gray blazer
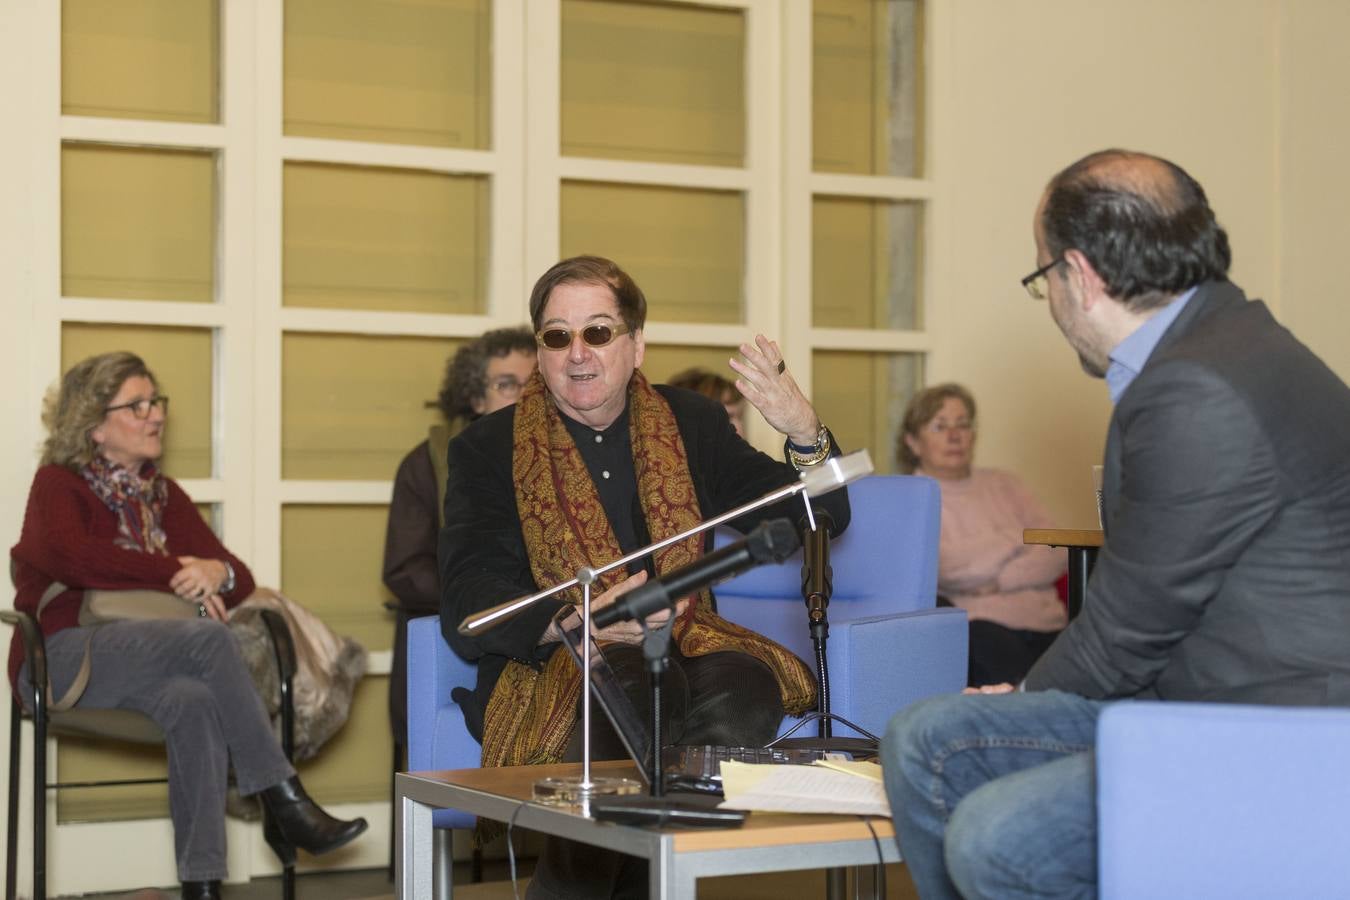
<point x="1226" y="572"/>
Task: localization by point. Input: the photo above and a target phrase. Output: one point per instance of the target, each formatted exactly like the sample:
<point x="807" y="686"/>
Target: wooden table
<point x="1082" y="544"/>
<point x="767" y="842"/>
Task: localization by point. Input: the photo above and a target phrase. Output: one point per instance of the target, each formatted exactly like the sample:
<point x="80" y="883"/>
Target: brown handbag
<point x="99" y="607"/>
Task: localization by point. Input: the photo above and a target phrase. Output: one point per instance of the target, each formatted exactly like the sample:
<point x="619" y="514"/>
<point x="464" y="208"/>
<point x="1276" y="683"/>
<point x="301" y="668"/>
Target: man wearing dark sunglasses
<point x="592" y="463"/>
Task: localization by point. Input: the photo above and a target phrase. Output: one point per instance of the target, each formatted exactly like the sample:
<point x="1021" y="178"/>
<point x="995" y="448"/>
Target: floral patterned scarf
<point x="138" y="499"/>
<point x="531" y="713"/>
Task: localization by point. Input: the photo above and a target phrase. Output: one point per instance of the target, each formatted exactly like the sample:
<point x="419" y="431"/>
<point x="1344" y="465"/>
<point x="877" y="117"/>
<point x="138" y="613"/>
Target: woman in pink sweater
<point x="1006" y="587"/>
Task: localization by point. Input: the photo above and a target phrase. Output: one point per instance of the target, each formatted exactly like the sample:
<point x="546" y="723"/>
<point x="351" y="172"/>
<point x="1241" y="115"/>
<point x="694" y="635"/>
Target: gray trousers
<point x="188" y="677"/>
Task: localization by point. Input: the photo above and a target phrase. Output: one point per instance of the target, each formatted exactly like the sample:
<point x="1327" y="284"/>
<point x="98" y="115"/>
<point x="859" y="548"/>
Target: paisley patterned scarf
<point x="531" y="713"/>
<point x="138" y="499"/>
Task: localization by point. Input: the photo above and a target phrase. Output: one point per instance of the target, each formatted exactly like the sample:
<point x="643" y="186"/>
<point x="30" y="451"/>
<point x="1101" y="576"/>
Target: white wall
<point x="1313" y="178"/>
<point x="1032" y="86"/>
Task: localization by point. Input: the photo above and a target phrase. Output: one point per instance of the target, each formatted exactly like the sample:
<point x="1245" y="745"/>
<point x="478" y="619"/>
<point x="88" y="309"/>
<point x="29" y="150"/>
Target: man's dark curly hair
<point x="466" y="373"/>
<point x="1143" y="223"/>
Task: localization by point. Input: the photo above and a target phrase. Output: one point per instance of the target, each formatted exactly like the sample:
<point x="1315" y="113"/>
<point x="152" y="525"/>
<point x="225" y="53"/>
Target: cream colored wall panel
<point x="183" y="361"/>
<point x="384" y="239"/>
<point x="867" y="85"/>
<point x="137" y="223"/>
<point x="1314" y="183"/>
<point x="140" y="59"/>
<point x="354" y="405"/>
<point x="664" y="360"/>
<point x="866" y="267"/>
<point x="684" y="248"/>
<point x="862" y="397"/>
<point x="1030" y="89"/>
<point x="330" y="563"/>
<point x="354" y="765"/>
<point x="653" y="81"/>
<point x="395" y="71"/>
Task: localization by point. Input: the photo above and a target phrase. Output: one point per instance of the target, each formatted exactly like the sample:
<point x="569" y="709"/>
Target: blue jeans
<point x="994" y="795"/>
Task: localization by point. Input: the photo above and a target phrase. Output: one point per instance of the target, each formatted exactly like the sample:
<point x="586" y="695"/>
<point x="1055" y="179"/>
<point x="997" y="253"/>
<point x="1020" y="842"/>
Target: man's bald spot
<point x="1154" y="180"/>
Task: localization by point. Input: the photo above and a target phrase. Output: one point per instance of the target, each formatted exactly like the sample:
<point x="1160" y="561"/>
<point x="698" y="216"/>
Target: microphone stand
<point x="833" y="473"/>
<point x="817" y="587"/>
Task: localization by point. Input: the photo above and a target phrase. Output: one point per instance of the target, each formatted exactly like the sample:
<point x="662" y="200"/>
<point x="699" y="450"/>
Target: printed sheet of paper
<point x="801" y="789"/>
<point x="868" y="769"/>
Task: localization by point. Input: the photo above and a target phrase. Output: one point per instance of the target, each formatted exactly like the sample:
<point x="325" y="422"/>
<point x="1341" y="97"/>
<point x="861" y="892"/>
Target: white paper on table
<point x="801" y="789"/>
<point x="868" y="769"/>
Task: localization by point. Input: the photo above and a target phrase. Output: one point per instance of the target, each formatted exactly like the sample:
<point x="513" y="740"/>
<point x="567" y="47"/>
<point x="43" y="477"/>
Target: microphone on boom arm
<point x="773" y="541"/>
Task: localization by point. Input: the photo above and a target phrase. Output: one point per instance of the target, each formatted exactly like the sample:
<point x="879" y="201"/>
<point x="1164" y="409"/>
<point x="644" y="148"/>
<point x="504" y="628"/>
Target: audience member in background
<point x="101" y="515"/>
<point x="1226" y="492"/>
<point x="1006" y="587"/>
<point x="483" y="376"/>
<point x="710" y="384"/>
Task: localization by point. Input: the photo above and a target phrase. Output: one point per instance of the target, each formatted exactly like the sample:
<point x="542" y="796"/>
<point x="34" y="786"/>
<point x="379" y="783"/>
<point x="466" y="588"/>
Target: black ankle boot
<point x="294" y="820"/>
<point x="201" y="890"/>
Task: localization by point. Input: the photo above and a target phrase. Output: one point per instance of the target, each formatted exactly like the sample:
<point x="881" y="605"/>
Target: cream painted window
<point x="175" y="45"/>
<point x="137" y="223"/>
<point x="866" y="394"/>
<point x="331" y="558"/>
<point x="867" y="80"/>
<point x="393" y="71"/>
<point x="653" y="81"/>
<point x="664" y="361"/>
<point x="868" y="217"/>
<point x="685" y="248"/>
<point x="867" y="258"/>
<point x="384" y="239"/>
<point x="353" y="405"/>
<point x="297" y="210"/>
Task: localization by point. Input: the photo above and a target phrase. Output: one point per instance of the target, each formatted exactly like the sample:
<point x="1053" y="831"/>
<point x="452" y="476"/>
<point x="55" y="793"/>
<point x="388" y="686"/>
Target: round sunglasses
<point x="597" y="335"/>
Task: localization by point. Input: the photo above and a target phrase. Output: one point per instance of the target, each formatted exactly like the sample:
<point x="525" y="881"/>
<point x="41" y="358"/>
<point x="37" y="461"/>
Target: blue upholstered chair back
<point x="884" y="563"/>
<point x="1220" y="800"/>
<point x="888" y="645"/>
<point x="437" y="735"/>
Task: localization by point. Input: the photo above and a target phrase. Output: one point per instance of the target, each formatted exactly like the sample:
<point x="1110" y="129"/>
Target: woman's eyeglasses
<point x="597" y="335"/>
<point x="141" y="408"/>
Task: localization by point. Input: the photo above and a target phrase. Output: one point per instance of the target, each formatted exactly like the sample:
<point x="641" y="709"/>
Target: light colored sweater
<point x="983" y="566"/>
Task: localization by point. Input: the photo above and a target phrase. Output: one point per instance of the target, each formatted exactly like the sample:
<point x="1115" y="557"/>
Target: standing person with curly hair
<point x="483" y="376"/>
<point x="101" y="515"/>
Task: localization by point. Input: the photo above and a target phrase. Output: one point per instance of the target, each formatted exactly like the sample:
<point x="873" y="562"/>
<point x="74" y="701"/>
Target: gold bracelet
<point x="816" y="457"/>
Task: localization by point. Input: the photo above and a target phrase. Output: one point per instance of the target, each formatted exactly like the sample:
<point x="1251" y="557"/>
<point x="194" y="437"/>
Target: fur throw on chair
<point x="327" y="667"/>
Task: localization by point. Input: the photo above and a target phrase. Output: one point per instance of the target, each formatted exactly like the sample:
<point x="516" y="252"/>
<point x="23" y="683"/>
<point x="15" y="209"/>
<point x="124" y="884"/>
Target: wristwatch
<point x="229" y="578"/>
<point x="805" y="457"/>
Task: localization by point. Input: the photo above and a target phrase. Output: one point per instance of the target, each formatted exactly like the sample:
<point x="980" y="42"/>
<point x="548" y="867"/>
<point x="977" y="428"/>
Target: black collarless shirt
<point x="608" y="455"/>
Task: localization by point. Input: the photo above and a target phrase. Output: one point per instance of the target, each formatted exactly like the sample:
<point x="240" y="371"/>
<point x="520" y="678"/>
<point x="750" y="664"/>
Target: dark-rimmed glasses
<point x="509" y="386"/>
<point x="598" y="335"/>
<point x="141" y="408"/>
<point x="1035" y="283"/>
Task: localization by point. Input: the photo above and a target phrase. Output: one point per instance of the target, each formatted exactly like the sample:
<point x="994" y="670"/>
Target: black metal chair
<point x="108" y="724"/>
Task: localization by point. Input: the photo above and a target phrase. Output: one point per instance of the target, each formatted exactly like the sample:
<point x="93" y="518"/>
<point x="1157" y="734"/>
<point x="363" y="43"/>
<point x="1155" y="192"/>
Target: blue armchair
<point x="1217" y="800"/>
<point x="888" y="644"/>
<point x="437" y="735"/>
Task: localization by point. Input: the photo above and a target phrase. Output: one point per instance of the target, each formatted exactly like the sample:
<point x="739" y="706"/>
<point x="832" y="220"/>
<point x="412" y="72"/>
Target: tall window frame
<point x="527" y="170"/>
